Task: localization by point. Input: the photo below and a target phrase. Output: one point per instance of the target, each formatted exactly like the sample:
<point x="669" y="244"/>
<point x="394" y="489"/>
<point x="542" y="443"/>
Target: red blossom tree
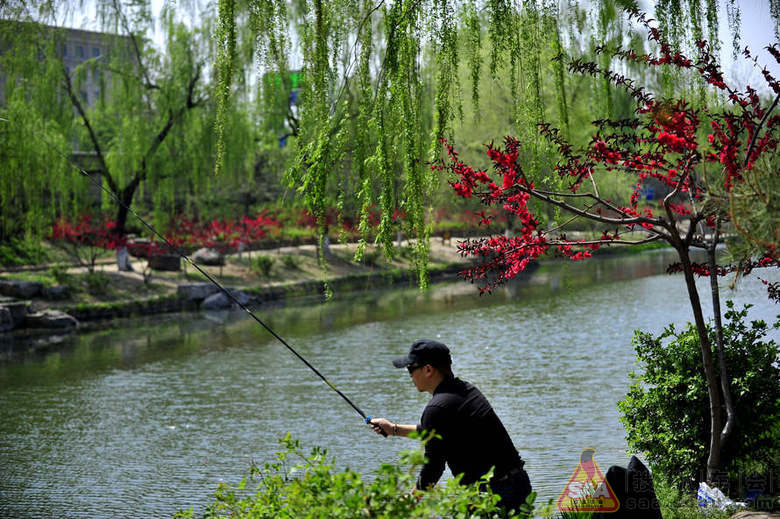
<point x="700" y="154"/>
<point x="85" y="238"/>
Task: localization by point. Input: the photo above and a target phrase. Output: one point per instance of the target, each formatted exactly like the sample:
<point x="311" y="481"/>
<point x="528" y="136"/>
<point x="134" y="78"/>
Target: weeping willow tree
<point x="383" y="83"/>
<point x="381" y="88"/>
<point x="30" y="112"/>
<point x="145" y="132"/>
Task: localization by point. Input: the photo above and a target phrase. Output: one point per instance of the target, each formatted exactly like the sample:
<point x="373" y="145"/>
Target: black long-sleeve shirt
<point x="473" y="439"/>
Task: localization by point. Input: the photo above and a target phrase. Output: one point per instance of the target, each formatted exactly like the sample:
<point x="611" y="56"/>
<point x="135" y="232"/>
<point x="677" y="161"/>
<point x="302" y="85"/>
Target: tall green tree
<point x="150" y="130"/>
<point x="383" y="82"/>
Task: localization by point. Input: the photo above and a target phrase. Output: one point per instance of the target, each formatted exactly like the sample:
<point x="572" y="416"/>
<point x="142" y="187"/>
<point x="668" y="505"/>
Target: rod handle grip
<point x="381" y="431"/>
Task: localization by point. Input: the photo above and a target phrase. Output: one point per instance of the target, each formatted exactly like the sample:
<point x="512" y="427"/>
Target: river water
<point x="145" y="419"/>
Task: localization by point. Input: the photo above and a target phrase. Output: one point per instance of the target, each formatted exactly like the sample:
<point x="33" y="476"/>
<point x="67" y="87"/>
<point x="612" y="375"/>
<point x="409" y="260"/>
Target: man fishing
<point x="473" y="439"/>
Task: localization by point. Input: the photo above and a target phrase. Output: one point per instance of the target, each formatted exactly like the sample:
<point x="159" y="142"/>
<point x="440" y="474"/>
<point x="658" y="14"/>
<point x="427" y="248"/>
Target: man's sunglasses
<point x="413" y="367"/>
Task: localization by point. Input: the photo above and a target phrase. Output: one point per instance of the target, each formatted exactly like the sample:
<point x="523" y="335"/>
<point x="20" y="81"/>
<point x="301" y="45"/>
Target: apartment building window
<point x="64" y="50"/>
<point x="79" y="51"/>
<point x="95" y="52"/>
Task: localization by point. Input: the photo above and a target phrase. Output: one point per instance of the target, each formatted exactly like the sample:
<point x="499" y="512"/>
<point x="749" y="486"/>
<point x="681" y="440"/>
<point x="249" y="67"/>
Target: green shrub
<point x="371" y="257"/>
<point x="60" y="274"/>
<point x="300" y="486"/>
<point x="97" y="282"/>
<point x="682" y="505"/>
<point x="666" y="410"/>
<point x="291" y="261"/>
<point x="262" y="264"/>
<point x="297" y="234"/>
<point x="18" y="251"/>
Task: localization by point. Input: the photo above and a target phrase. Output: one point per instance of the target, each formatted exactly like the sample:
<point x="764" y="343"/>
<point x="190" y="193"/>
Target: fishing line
<point x="225" y="291"/>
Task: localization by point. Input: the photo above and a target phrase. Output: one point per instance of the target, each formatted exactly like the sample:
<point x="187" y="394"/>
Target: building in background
<point x="73" y="47"/>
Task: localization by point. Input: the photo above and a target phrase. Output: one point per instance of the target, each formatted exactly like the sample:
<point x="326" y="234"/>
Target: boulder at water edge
<point x="50" y="319"/>
<point x="56" y="292"/>
<point x="220" y="301"/>
<point x="6" y="320"/>
<point x="206" y="256"/>
<point x="196" y="291"/>
<point x="20" y="289"/>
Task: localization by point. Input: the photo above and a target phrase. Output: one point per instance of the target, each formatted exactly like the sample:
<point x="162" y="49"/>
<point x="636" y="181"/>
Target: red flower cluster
<point x="85" y="231"/>
<point x="661" y="143"/>
<point x="223" y="235"/>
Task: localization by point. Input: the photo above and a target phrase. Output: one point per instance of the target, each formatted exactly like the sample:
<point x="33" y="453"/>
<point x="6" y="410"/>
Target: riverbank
<point x="66" y="297"/>
<point x="260" y="277"/>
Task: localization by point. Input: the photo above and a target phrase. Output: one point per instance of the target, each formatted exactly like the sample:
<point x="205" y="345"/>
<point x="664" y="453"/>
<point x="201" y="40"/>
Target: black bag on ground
<point x="634" y="489"/>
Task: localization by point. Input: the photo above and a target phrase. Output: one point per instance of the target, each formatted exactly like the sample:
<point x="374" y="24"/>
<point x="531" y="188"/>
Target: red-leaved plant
<point x="85" y="238"/>
<point x="665" y="142"/>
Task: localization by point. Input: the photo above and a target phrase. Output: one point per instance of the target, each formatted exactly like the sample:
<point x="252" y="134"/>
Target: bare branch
<point x="674" y="191"/>
<point x="92" y="135"/>
<point x="136" y="47"/>
<point x="593" y="181"/>
<point x="598" y="199"/>
<point x="567" y="222"/>
<point x="758" y="129"/>
<point x="353" y="52"/>
<point x="591" y="216"/>
<point x="172" y="118"/>
<point x="607" y="242"/>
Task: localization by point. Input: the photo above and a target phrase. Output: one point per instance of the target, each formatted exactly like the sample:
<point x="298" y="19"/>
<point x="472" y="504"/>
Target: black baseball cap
<point x="425" y="351"/>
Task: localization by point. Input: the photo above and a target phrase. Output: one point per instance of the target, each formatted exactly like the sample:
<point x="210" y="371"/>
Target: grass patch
<point x="676" y="505"/>
<point x="262" y="265"/>
<point x="291" y="261"/>
<point x="18" y="251"/>
<point x="34" y="277"/>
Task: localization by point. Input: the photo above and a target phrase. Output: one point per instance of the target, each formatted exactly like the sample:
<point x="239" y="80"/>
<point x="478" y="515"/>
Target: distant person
<point x="473" y="439"/>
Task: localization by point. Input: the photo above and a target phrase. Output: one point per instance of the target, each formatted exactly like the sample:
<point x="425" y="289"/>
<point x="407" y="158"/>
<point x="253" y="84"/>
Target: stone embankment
<point x="22" y="303"/>
<point x="16" y="311"/>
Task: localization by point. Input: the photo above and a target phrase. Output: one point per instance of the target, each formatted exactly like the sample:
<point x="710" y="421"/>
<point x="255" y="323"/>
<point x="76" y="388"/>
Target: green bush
<point x="300" y="486"/>
<point x="371" y="257"/>
<point x="97" y="282"/>
<point x="263" y="264"/>
<point x="291" y="261"/>
<point x="60" y="274"/>
<point x="18" y="251"/>
<point x="666" y="410"/>
<point x="682" y="505"/>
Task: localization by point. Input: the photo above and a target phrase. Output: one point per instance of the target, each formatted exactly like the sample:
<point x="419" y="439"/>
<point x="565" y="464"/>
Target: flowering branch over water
<point x="664" y="145"/>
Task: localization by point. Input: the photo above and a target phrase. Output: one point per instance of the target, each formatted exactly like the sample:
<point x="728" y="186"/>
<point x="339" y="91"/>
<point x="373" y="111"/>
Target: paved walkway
<point x="755" y="515"/>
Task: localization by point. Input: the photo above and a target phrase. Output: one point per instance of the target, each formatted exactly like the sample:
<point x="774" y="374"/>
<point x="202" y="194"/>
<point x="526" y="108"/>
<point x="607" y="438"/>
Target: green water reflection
<point x="145" y="418"/>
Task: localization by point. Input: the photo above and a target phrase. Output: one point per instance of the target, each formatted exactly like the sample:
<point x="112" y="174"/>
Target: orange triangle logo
<point x="588" y="489"/>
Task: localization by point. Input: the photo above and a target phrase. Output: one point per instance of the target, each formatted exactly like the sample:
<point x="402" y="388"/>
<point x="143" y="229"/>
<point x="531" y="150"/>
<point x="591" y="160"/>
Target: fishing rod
<point x="366" y="418"/>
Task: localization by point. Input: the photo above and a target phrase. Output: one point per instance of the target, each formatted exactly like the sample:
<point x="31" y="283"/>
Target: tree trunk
<point x="123" y="260"/>
<point x="714" y="457"/>
<point x="126" y="198"/>
<point x="725" y="380"/>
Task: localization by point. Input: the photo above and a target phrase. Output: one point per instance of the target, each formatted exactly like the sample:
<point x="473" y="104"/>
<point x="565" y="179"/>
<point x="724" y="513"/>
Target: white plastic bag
<point x="712" y="497"/>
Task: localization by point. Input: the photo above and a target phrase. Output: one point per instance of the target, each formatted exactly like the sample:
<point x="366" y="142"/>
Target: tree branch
<point x="607" y="242"/>
<point x="136" y="47"/>
<point x="755" y="134"/>
<point x="92" y="135"/>
<point x="591" y="216"/>
<point x="598" y="199"/>
<point x="672" y="221"/>
<point x="353" y="52"/>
